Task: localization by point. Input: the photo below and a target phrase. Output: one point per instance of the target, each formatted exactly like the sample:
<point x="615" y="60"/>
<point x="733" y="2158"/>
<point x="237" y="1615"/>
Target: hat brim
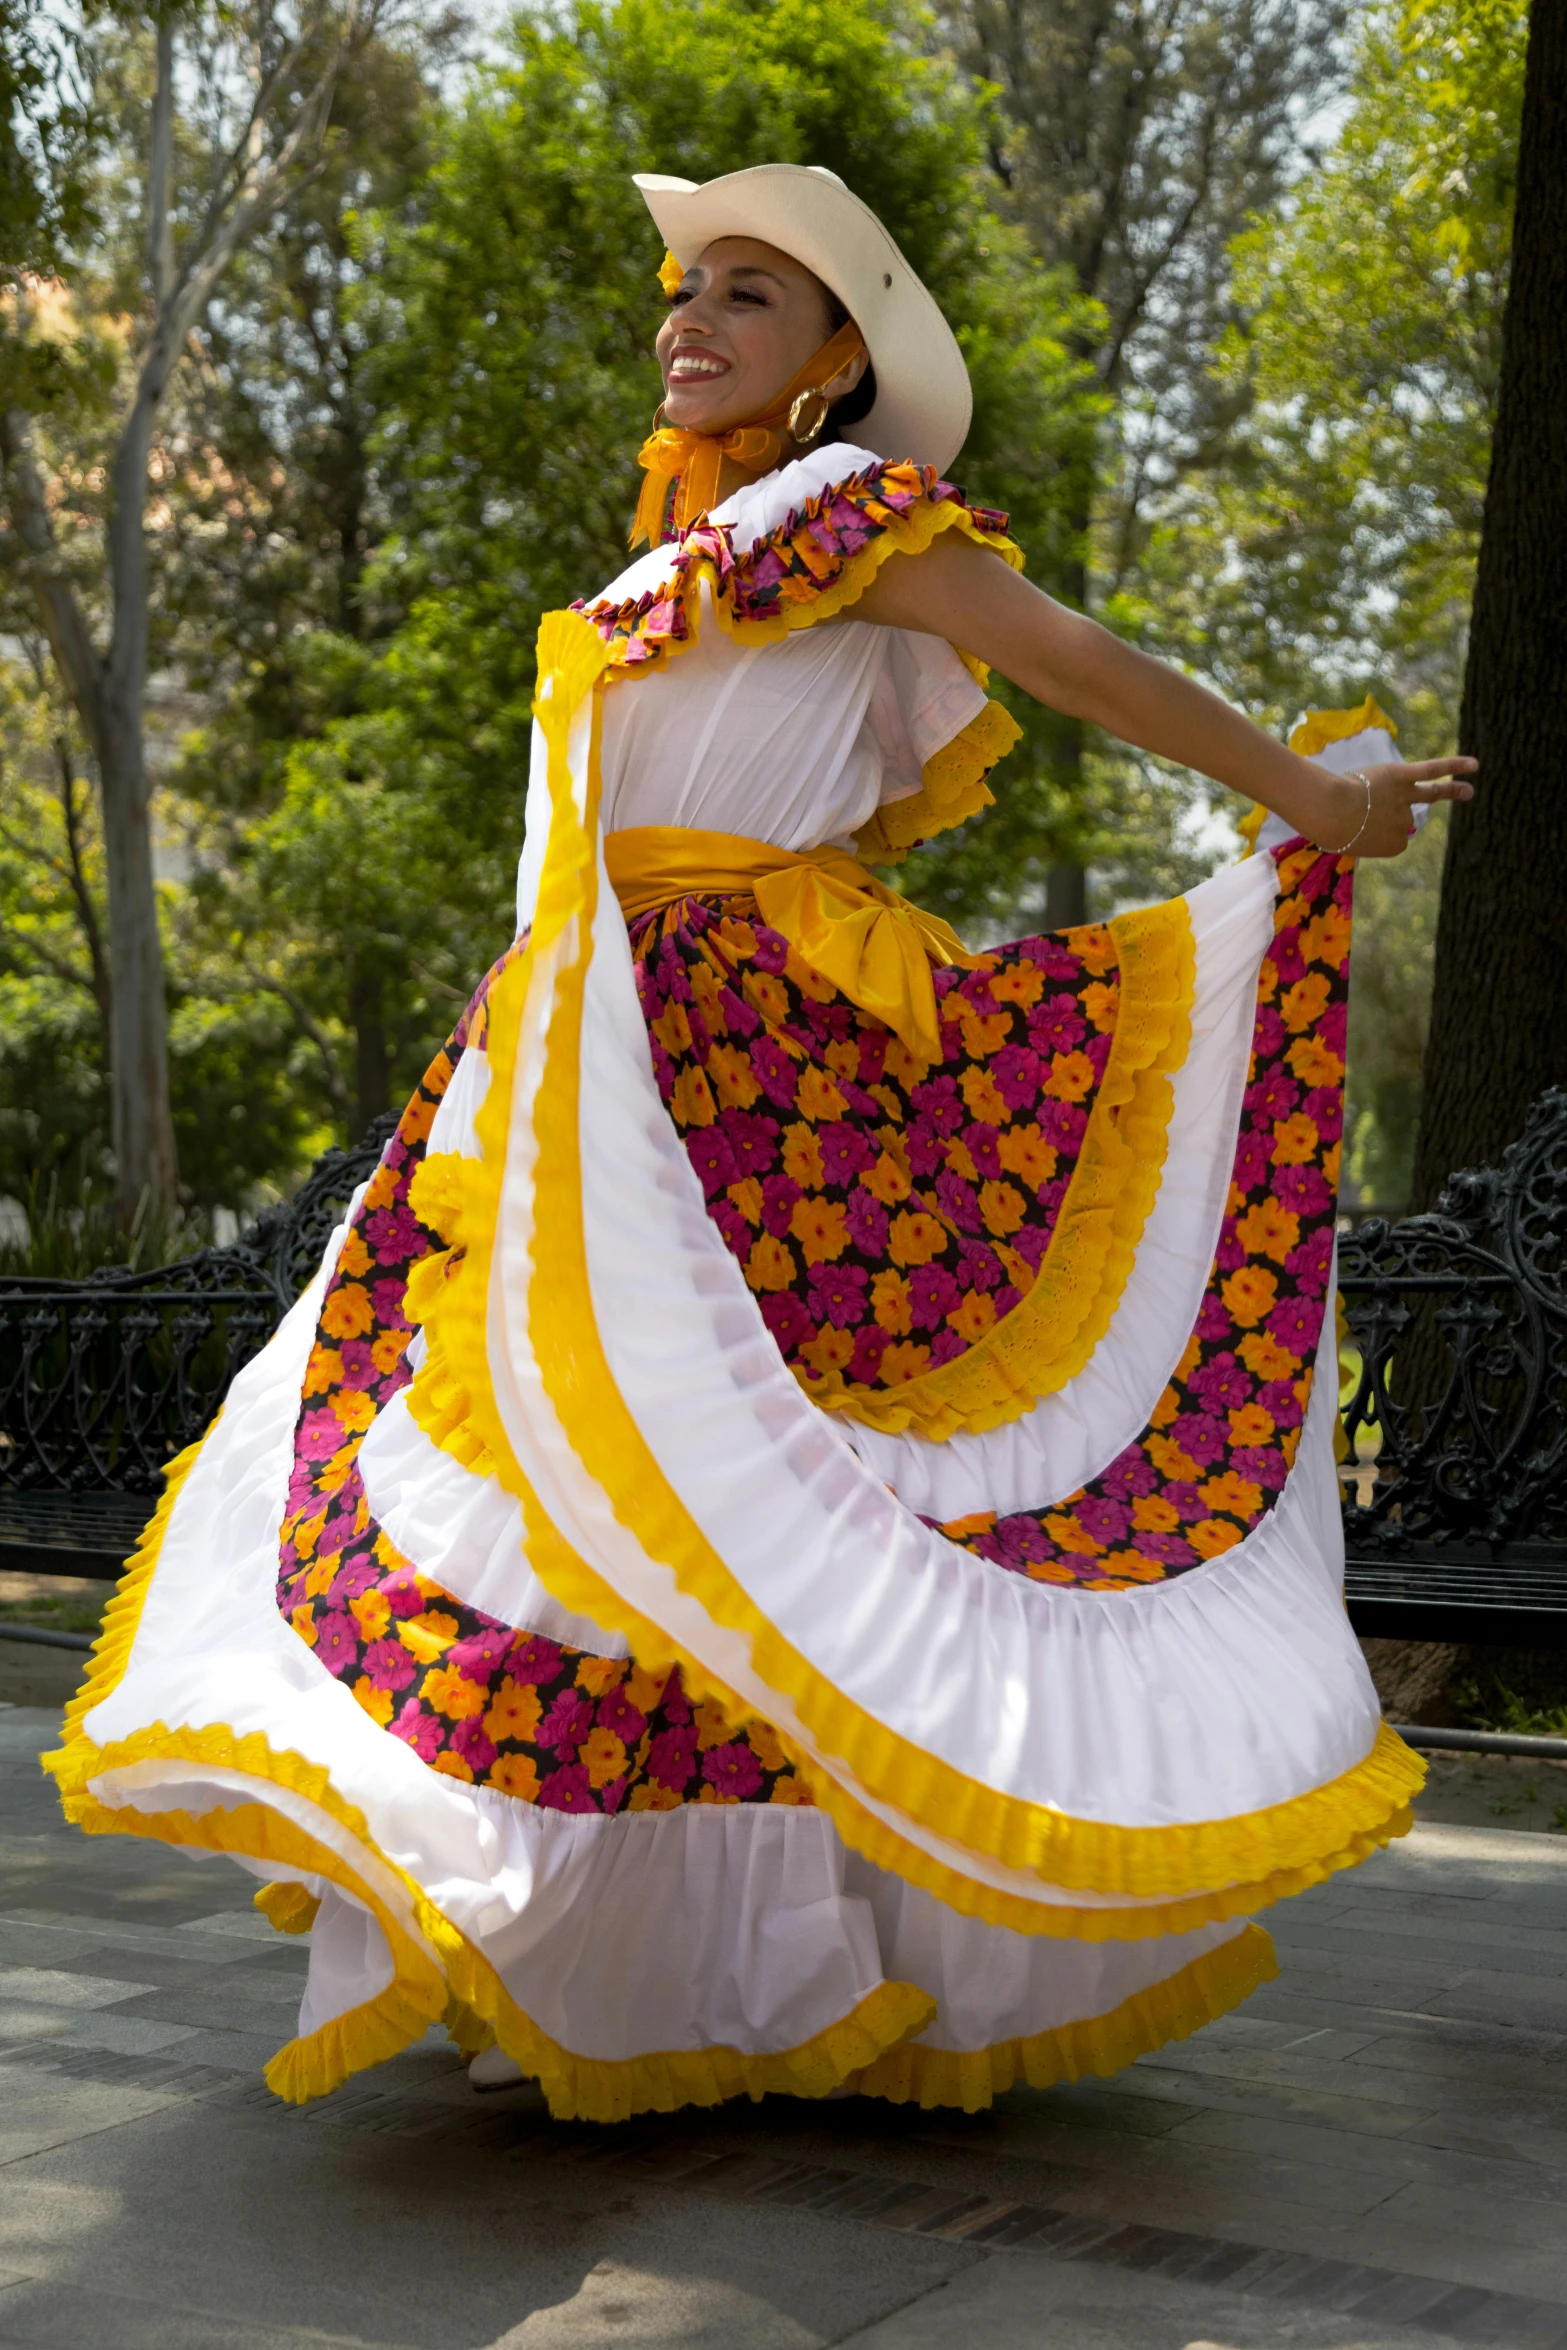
<point x="923" y="401"/>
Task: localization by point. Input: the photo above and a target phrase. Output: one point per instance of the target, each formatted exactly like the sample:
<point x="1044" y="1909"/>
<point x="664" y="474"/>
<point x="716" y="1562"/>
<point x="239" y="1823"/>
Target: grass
<point x="72" y="1612"/>
<point x="72" y="1230"/>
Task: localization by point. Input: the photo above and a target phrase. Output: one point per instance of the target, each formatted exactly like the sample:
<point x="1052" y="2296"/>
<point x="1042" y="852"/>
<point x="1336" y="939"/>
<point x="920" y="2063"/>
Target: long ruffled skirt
<point x="761" y="1562"/>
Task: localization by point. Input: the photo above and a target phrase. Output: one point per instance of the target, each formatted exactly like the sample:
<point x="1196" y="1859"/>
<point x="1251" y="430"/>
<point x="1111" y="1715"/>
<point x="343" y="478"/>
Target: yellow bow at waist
<point x="875" y="947"/>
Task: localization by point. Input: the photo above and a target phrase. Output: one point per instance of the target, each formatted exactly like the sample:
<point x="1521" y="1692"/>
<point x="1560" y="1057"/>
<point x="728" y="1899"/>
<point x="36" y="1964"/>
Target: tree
<point x="1136" y="144"/>
<point x="211" y="180"/>
<point x="1499" y="1018"/>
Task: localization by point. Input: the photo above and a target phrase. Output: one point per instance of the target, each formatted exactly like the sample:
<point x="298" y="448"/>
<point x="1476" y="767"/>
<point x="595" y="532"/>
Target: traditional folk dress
<point x="793" y="1540"/>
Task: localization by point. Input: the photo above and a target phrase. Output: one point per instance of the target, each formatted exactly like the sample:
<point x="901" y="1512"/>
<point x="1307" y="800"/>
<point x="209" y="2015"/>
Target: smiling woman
<point x="793" y="1543"/>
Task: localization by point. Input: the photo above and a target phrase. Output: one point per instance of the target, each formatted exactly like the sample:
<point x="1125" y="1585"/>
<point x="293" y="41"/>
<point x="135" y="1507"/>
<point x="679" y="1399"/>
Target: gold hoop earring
<point x="659" y="419"/>
<point x="807" y="416"/>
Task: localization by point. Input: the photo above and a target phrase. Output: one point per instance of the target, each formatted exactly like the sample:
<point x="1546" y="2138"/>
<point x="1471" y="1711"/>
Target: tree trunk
<point x="146" y="1168"/>
<point x="1499" y="1015"/>
<point x="372" y="1059"/>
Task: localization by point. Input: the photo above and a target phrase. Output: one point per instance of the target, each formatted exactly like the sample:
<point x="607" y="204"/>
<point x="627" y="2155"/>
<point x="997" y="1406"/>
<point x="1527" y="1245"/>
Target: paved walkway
<point x="1370" y="2155"/>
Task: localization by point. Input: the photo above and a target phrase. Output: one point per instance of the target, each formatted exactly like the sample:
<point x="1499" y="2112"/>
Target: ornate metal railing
<point x="1456" y="1491"/>
<point x="102" y="1381"/>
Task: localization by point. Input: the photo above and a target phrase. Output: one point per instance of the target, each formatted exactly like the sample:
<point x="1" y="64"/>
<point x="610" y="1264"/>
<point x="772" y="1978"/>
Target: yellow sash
<point x="875" y="947"/>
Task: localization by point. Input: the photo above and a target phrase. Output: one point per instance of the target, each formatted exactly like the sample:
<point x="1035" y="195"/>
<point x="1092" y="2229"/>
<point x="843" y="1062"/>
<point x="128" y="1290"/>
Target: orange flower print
<point x="1191" y="1356"/>
<point x="1003" y="1207"/>
<point x="1295" y="1142"/>
<point x="843" y="1054"/>
<point x="1071" y="1077"/>
<point x="514" y="1713"/>
<point x="1024" y="1152"/>
<point x="769" y="1265"/>
<point x="1263" y="1356"/>
<point x="713" y="1725"/>
<point x="353" y="1258"/>
<point x="692" y="1098"/>
<point x="353" y="1409"/>
<point x="729" y="1072"/>
<point x="802" y="1158"/>
<point x="747" y="1197"/>
<point x="769" y="995"/>
<point x="1250" y="1424"/>
<point x="324" y="1371"/>
<point x="1170" y="1461"/>
<point x="890" y="1303"/>
<point x="451" y="1765"/>
<point x="599" y="1674"/>
<point x="973" y="1317"/>
<point x="984" y="1032"/>
<point x="387" y="1349"/>
<point x="652" y="1795"/>
<point x="1152" y="1514"/>
<point x="765" y="1744"/>
<point x="1165" y="1409"/>
<point x="303" y="1620"/>
<point x="817" y="1095"/>
<point x="371" y="1613"/>
<point x="1305" y="1002"/>
<point x="886" y="1181"/>
<point x="1325" y="938"/>
<point x="376" y="1702"/>
<point x="829" y="1352"/>
<point x="1018" y="983"/>
<point x="915" y="1238"/>
<point x="903" y="1067"/>
<point x="1101" y="1002"/>
<point x="1072" y="1536"/>
<point x="1330" y="1166"/>
<point x="1249" y="1294"/>
<point x="1267" y="1230"/>
<point x="820" y="1226"/>
<point x="1236" y="1494"/>
<point x="984" y="1097"/>
<point x="707" y="991"/>
<point x="1314" y="1063"/>
<point x="347" y="1312"/>
<point x="960" y="1159"/>
<point x="381" y="1189"/>
<point x="429" y="1635"/>
<point x="1094" y="948"/>
<point x="451" y="1693"/>
<point x="673" y="1029"/>
<point x="903" y="1361"/>
<point x="789" y="1789"/>
<point x="516" y="1774"/>
<point x="604" y="1755"/>
<point x="1212" y="1536"/>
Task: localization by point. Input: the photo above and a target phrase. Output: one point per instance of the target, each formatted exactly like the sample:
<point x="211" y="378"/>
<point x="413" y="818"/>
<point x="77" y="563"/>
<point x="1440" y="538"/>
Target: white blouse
<point x="796" y="742"/>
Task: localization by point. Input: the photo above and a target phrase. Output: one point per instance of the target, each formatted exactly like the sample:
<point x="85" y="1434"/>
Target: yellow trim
<point x="289" y="1907"/>
<point x="1050" y="1334"/>
<point x="952" y="789"/>
<point x="1298" y="1839"/>
<point x="1172" y="2010"/>
<point x="1320" y="727"/>
<point x="1250" y="826"/>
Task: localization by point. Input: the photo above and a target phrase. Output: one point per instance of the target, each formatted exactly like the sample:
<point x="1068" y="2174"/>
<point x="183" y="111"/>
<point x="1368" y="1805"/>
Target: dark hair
<point x="854" y="406"/>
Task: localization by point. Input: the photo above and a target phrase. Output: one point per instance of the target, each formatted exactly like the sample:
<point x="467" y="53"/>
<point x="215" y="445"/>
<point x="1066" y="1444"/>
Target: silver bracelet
<point x="1354" y="775"/>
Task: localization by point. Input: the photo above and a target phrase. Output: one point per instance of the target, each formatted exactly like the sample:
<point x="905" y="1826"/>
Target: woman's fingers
<point x="1460" y="789"/>
<point x="1426" y="770"/>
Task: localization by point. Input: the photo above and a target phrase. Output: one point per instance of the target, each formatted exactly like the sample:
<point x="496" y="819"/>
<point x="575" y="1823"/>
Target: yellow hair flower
<point x="670" y="274"/>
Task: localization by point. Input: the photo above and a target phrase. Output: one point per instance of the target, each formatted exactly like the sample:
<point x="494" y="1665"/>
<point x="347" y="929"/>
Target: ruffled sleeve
<point x="797" y="549"/>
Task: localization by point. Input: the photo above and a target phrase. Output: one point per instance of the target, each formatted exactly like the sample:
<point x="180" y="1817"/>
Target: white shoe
<point x="492" y="2068"/>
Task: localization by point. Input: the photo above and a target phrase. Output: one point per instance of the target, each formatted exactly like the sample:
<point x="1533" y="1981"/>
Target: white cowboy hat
<point x="923" y="401"/>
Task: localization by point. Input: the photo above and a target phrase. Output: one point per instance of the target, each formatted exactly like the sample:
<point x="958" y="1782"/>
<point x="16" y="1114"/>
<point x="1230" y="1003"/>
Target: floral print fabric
<point x="474" y="1698"/>
<point x="1224" y="1433"/>
<point x="887" y="1212"/>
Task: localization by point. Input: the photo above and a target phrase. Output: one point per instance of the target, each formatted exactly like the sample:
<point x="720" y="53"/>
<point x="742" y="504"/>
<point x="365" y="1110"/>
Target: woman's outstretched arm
<point x="960" y="591"/>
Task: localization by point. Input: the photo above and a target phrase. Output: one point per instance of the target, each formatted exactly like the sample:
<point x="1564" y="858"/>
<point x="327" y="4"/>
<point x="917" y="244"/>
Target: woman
<point x="792" y="1543"/>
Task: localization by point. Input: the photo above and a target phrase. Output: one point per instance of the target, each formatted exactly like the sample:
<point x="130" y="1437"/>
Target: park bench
<point x="1455" y="1415"/>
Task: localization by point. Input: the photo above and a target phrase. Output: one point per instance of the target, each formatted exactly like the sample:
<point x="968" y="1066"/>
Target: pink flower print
<point x="468" y="1740"/>
<point x="1262" y="1463"/>
<point x="788" y="1321"/>
<point x="567" y="1790"/>
<point x="612" y="1795"/>
<point x="402" y="1595"/>
<point x="977" y="1269"/>
<point x="359" y="1575"/>
<point x="1185" y="1499"/>
<point x="673" y="1701"/>
<point x="775" y="1071"/>
<point x="1022" y="1541"/>
<point x="772" y="950"/>
<point x="844" y="1151"/>
<point x="393" y="1235"/>
<point x="753" y="1139"/>
<point x="672" y="1758"/>
<point x="1097" y="1050"/>
<point x="733" y="1770"/>
<point x="1310" y="1263"/>
<point x="1222" y="1384"/>
<point x="386" y="1302"/>
<point x="1055" y="960"/>
<point x="733" y="1226"/>
<point x="837" y="1294"/>
<point x="1017" y="1072"/>
<point x="1214" y="1322"/>
<point x="321" y="1434"/>
<point x="1062" y="1124"/>
<point x="1171" y="1550"/>
<point x="1130" y="1475"/>
<point x="1272" y="1097"/>
<point x="1295" y="1322"/>
<point x="924" y="1146"/>
<point x="1032" y="1241"/>
<point x="1333" y="1027"/>
<point x="568" y="1721"/>
<point x="418" y="1729"/>
<point x="1230" y="1254"/>
<point x="708" y="1149"/>
<point x="388" y="1664"/>
<point x="946" y="1347"/>
<point x="1056" y="1025"/>
<point x="870" y="1344"/>
<point x="359" y="1369"/>
<point x="617" y="1713"/>
<point x="337" y="1643"/>
<point x="1303" y="1190"/>
<point x="938" y="1103"/>
<point x="534" y="1659"/>
<point x="933" y="1293"/>
<point x="779" y="1194"/>
<point x="1251" y="1160"/>
<point x="958" y="1201"/>
<point x="1270" y="1034"/>
<point x="1105" y="1520"/>
<point x="982" y="1143"/>
<point x="1279" y="1400"/>
<point x="1286" y="957"/>
<point x="1324" y="1106"/>
<point x="1200" y="1437"/>
<point x="865" y="1221"/>
<point x="482" y="1656"/>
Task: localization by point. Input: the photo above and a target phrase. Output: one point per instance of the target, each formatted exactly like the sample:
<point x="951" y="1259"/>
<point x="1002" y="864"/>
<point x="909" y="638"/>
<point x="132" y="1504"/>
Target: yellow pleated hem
<point x="288" y="1907"/>
<point x="953" y="787"/>
<point x="1287" y="1844"/>
<point x="1172" y="2010"/>
<point x="1050" y="1334"/>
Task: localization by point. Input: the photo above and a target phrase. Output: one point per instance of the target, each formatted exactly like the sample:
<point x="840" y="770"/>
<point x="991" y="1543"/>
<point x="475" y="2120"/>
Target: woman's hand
<point x="963" y="592"/>
<point x="1376" y="803"/>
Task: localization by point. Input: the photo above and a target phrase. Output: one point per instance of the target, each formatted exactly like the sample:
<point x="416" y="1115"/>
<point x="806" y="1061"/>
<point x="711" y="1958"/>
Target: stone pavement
<point x="1370" y="2155"/>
